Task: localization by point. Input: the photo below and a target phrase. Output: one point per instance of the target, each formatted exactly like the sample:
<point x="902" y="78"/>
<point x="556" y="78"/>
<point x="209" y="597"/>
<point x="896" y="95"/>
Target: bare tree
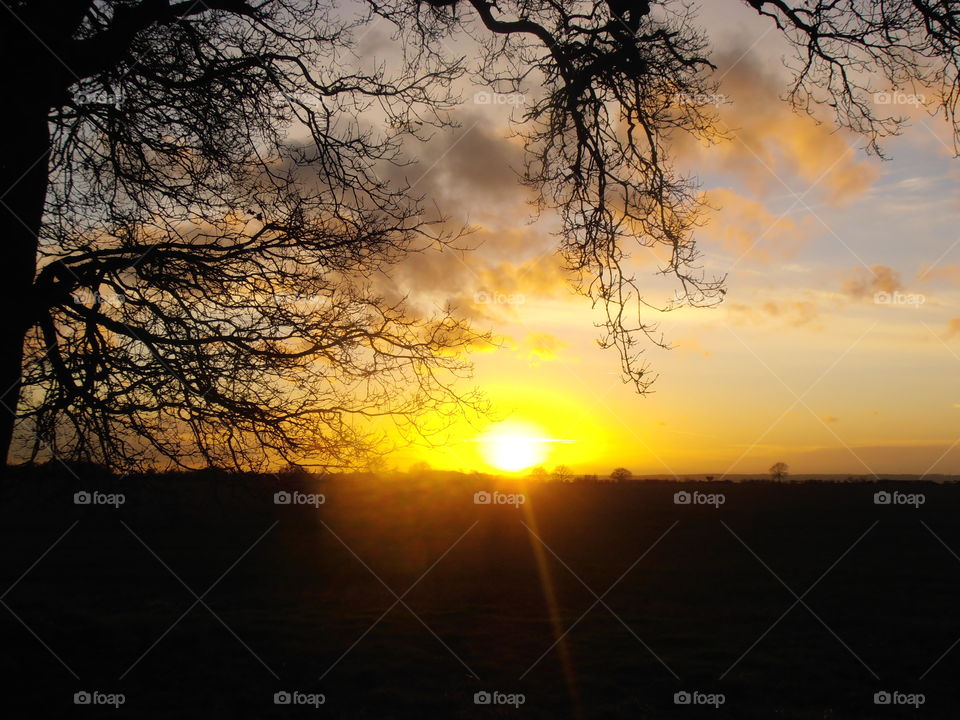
<point x="779" y="471"/>
<point x="620" y="78"/>
<point x="156" y="206"/>
<point x="621" y="475"/>
<point x="562" y="474"/>
<point x="538" y="474"/>
<point x="847" y="51"/>
<point x="183" y="279"/>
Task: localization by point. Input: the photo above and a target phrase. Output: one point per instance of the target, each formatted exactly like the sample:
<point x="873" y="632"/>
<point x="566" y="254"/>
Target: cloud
<point x="932" y="273"/>
<point x="467" y="176"/>
<point x="691" y="344"/>
<point x="497" y="292"/>
<point x="542" y="276"/>
<point x="863" y="283"/>
<point x="790" y="313"/>
<point x="469" y="171"/>
<point x="771" y="148"/>
<point x="745" y="228"/>
<point x="541" y="347"/>
<point x="479" y="287"/>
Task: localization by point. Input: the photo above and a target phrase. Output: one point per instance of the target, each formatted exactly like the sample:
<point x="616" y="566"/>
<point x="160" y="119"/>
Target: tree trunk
<point x="24" y="156"/>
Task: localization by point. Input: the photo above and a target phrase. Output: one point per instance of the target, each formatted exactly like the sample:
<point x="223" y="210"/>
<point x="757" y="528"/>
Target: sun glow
<point x="512" y="446"/>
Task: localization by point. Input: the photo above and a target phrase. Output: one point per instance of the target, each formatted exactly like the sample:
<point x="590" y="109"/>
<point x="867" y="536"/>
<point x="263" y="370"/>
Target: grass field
<point x="692" y="598"/>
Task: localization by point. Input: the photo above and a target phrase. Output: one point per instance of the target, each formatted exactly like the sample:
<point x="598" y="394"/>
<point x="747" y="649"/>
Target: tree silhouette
<point x="562" y="474"/>
<point x="779" y="471"/>
<point x="184" y="279"/>
<point x="538" y="473"/>
<point x="621" y="475"/>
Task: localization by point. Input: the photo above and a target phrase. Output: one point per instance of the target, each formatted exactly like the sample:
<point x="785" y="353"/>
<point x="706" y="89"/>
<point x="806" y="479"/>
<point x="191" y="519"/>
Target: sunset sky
<point x="799" y="364"/>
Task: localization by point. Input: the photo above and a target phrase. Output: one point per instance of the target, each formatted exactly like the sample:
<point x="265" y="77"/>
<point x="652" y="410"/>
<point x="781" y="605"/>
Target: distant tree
<point x="562" y="473"/>
<point x="538" y="473"/>
<point x="778" y="471"/>
<point x="419" y="468"/>
<point x="620" y="475"/>
<point x="377" y="466"/>
<point x="293" y="472"/>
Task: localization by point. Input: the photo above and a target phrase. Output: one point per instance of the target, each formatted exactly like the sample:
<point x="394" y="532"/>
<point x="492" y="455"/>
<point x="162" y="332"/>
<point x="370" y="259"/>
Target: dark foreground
<point x="200" y="597"/>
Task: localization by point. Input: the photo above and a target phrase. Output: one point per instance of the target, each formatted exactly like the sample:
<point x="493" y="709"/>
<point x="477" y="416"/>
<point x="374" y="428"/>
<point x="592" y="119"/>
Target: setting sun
<point x="512" y="446"/>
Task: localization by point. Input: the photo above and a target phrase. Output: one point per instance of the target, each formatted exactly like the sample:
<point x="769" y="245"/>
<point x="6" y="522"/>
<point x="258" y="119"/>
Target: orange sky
<point x="837" y="349"/>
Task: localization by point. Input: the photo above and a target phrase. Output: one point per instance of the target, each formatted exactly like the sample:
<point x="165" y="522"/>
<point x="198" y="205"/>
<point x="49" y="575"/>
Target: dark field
<point x="694" y="611"/>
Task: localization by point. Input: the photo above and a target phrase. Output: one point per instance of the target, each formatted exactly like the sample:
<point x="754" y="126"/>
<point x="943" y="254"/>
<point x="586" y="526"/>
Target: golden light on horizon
<point x="513" y="445"/>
